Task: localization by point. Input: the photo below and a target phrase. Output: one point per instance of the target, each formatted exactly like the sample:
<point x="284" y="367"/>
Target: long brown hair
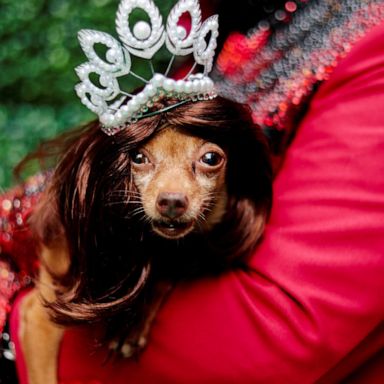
<point x="113" y="256"/>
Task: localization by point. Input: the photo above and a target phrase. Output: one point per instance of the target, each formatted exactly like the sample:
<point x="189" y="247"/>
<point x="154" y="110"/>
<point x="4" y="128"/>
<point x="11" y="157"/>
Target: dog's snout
<point x="172" y="204"/>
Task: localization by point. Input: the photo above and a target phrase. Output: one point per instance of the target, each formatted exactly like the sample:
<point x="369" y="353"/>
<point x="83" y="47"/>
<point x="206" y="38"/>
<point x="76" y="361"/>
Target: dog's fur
<point x="175" y="196"/>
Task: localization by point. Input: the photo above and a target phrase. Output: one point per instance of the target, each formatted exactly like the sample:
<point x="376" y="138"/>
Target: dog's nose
<point x="172" y="204"/>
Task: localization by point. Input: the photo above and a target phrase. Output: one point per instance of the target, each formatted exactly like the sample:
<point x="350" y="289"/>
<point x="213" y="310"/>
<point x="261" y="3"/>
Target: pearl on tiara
<point x="142" y="30"/>
<point x="117" y="108"/>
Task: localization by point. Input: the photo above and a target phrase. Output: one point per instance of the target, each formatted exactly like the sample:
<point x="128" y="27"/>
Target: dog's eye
<point x="139" y="158"/>
<point x="211" y="158"/>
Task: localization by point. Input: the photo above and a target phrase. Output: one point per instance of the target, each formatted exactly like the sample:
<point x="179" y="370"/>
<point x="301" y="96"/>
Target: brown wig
<point x="114" y="258"/>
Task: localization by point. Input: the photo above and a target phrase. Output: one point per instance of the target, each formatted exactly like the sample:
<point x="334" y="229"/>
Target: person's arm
<point x="322" y="261"/>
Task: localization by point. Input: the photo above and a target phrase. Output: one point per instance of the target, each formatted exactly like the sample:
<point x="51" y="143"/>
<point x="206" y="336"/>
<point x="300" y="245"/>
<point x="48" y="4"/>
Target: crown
<point x="115" y="107"/>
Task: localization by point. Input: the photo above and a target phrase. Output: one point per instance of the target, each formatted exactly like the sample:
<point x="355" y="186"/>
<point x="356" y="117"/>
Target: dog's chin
<point x="172" y="229"/>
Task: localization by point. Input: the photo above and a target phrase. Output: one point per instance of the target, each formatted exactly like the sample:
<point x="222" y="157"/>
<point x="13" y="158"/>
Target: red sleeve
<point x="317" y="289"/>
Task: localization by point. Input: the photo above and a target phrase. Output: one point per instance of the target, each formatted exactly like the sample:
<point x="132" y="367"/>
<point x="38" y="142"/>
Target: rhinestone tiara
<point x="117" y="108"/>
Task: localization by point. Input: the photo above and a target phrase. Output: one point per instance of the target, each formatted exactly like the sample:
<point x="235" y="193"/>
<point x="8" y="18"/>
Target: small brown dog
<point x="175" y="196"/>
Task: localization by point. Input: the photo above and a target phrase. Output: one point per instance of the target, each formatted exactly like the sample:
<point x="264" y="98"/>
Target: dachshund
<point x="173" y="197"/>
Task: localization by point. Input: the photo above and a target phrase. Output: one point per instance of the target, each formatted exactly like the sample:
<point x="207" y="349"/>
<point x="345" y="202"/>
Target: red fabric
<point x="15" y="236"/>
<point x="14" y="325"/>
<point x="313" y="306"/>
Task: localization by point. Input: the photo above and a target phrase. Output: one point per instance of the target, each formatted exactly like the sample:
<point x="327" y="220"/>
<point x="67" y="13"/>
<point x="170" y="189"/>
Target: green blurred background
<point x="38" y="53"/>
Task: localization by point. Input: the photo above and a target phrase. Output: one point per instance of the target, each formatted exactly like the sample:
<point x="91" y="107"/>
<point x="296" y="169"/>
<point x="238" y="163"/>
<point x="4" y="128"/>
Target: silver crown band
<point x="117" y="108"/>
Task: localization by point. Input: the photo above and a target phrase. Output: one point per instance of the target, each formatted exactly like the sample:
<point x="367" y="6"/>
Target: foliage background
<point x="38" y="53"/>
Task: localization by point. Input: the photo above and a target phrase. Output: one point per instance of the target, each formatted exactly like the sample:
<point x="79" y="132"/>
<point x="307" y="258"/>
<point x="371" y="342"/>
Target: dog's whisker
<point x="201" y="218"/>
<point x="123" y="202"/>
<point x="114" y="203"/>
<point x="208" y="204"/>
<point x="126" y="201"/>
<point x="213" y="196"/>
<point x="136" y="211"/>
<point x="214" y="193"/>
<point x="200" y="221"/>
<point x="119" y="193"/>
<point x="124" y="197"/>
<point x="125" y="193"/>
<point x="146" y="219"/>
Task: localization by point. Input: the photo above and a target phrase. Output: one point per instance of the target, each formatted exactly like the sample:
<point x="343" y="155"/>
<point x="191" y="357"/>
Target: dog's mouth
<point x="172" y="229"/>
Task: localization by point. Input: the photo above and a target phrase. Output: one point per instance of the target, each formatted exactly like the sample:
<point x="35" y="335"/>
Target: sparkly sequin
<point x="277" y="76"/>
<point x="18" y="261"/>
